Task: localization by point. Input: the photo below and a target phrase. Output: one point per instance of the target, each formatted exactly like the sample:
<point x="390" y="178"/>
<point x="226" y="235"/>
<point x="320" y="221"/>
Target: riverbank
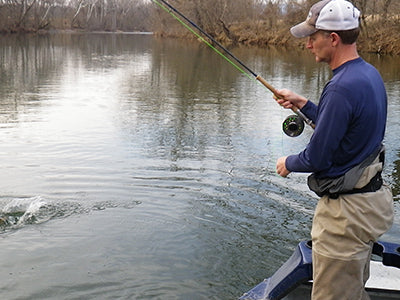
<point x="375" y="37"/>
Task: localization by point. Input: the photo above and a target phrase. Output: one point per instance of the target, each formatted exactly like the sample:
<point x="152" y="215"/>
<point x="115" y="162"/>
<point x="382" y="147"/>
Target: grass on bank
<point x="376" y="36"/>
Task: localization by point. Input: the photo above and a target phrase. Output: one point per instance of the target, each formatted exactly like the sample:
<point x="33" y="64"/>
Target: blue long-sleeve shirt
<point x="350" y="121"/>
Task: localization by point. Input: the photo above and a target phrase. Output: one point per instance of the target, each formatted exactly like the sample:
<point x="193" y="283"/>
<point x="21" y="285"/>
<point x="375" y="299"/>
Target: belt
<point x="375" y="184"/>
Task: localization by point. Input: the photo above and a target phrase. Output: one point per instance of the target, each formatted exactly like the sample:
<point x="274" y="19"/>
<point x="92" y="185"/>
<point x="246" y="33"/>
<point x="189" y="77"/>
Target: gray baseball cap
<point x="328" y="15"/>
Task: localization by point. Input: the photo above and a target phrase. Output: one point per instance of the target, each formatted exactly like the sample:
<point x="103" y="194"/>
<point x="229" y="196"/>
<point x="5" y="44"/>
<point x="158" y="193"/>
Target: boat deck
<point x="383" y="284"/>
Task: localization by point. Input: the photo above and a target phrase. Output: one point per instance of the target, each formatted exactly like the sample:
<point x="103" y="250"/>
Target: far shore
<point x="379" y="41"/>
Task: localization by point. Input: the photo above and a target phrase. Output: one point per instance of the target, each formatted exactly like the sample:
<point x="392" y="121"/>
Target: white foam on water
<point x="25" y="209"/>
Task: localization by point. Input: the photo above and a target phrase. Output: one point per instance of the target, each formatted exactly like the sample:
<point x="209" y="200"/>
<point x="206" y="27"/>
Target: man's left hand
<point x="281" y="167"/>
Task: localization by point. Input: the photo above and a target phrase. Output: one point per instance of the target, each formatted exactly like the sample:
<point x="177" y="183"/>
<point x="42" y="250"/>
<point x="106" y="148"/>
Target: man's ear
<point x="335" y="38"/>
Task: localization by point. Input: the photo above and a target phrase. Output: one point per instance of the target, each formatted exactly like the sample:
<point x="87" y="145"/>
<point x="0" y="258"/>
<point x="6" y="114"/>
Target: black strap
<point x="375" y="184"/>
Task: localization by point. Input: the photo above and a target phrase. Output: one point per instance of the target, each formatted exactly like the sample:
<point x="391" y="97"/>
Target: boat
<point x="293" y="280"/>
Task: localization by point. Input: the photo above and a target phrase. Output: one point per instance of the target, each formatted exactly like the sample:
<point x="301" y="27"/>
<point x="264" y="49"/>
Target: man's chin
<point x="319" y="59"/>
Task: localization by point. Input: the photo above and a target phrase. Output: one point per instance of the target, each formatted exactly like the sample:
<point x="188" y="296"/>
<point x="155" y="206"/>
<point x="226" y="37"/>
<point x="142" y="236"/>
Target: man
<point x="344" y="154"/>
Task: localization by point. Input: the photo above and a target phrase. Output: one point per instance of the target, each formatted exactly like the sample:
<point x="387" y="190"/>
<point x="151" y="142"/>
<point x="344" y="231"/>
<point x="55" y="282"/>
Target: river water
<point x="140" y="168"/>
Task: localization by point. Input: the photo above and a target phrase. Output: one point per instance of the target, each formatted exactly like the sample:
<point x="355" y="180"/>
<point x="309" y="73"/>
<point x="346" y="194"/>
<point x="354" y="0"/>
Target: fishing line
<point x="292" y="126"/>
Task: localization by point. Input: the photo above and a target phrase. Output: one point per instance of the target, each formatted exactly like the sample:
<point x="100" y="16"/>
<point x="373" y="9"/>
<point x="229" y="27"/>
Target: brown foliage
<point x="249" y="22"/>
<point x="381" y="37"/>
<point x="268" y="24"/>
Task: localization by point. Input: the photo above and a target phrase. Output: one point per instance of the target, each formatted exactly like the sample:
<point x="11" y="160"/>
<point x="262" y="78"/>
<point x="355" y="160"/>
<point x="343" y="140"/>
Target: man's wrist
<point x="303" y="101"/>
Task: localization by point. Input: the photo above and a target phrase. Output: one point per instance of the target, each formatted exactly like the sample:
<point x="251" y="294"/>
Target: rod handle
<point x="294" y="108"/>
<point x="267" y="85"/>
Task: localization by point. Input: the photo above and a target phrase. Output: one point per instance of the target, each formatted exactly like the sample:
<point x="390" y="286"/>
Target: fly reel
<point x="293" y="125"/>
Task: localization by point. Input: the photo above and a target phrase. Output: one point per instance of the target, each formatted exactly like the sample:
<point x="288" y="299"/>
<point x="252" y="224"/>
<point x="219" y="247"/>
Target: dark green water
<point x="137" y="168"/>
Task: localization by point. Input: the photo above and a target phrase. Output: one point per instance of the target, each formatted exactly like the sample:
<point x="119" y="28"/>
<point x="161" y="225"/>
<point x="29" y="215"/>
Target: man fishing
<point x="345" y="153"/>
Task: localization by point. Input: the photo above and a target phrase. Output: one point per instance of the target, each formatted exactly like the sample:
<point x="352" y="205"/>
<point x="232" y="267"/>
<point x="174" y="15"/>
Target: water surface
<point x="139" y="168"/>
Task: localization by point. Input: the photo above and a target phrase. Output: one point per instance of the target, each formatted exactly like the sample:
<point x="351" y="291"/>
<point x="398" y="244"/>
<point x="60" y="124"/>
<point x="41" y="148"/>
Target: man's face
<point x="320" y="44"/>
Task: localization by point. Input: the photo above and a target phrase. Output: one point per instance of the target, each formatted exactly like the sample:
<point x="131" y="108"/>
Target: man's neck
<point x="343" y="54"/>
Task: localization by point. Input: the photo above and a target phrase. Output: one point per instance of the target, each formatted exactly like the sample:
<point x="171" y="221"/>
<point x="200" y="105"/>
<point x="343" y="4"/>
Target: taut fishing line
<point x="294" y="124"/>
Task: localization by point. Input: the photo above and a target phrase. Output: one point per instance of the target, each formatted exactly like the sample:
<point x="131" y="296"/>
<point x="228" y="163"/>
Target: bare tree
<point x="25" y="7"/>
<point x="240" y="21"/>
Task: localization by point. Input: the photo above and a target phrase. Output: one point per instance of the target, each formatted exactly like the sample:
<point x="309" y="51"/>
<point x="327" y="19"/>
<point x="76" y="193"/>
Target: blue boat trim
<point x="390" y="253"/>
<point x="298" y="269"/>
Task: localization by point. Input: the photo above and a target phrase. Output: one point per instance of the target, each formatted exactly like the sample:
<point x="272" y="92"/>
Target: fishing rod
<point x="293" y="124"/>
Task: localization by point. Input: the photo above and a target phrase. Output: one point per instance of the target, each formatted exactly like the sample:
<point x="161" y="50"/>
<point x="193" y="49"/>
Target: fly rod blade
<point x="172" y="10"/>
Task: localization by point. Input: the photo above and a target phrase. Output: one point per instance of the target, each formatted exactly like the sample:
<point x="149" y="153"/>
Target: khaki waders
<point x="343" y="233"/>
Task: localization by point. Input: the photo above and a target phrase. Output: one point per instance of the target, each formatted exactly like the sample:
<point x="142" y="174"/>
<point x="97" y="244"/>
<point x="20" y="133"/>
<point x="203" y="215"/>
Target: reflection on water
<point x="154" y="161"/>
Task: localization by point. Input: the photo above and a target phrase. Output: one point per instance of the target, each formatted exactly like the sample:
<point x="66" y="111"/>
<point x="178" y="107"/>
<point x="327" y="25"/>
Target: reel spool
<point x="293" y="125"/>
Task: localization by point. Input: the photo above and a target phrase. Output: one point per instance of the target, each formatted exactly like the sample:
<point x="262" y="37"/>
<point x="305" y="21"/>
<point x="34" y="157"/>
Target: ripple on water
<point x="17" y="212"/>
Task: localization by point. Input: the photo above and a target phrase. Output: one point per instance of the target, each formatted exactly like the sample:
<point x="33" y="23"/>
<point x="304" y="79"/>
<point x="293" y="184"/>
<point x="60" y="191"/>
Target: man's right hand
<point x="288" y="99"/>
